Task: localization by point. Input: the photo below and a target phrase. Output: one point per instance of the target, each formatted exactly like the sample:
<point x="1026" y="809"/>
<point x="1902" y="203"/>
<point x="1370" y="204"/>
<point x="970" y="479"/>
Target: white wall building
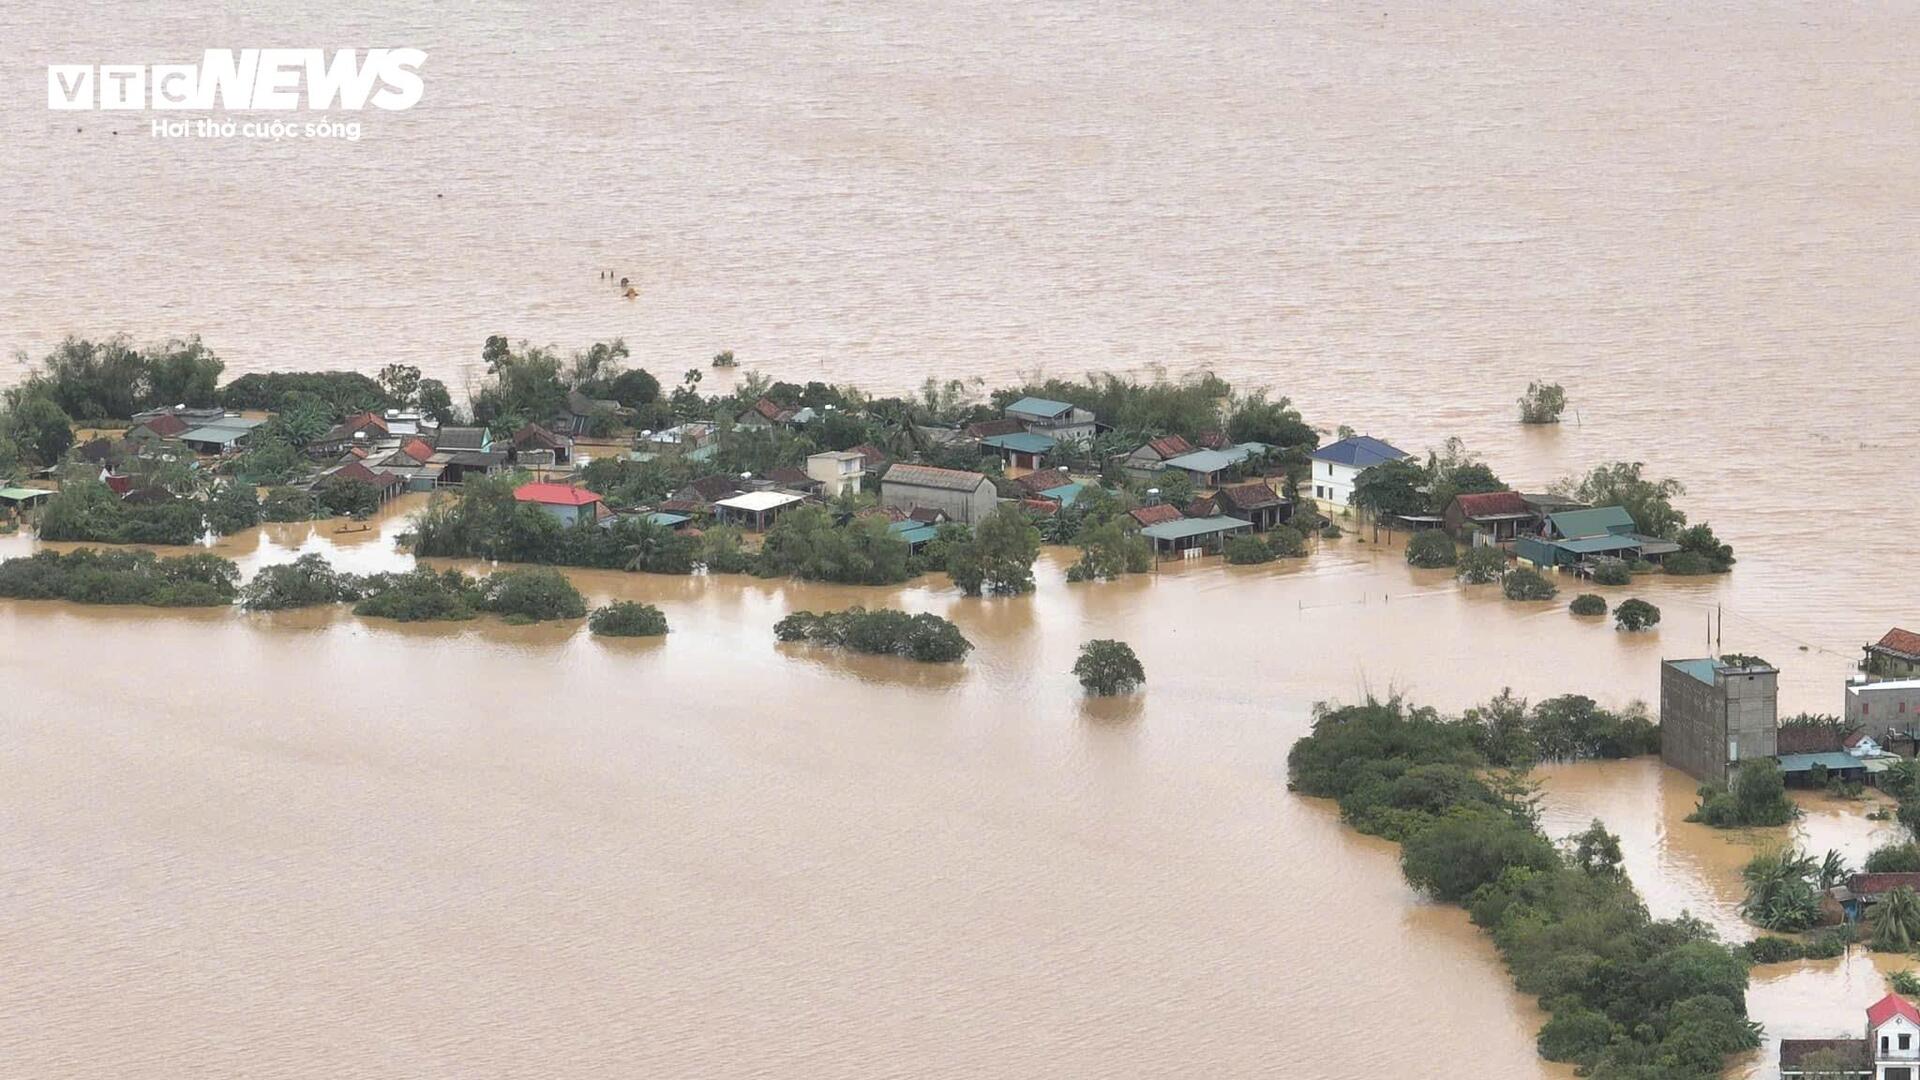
<point x="1337" y="464"/>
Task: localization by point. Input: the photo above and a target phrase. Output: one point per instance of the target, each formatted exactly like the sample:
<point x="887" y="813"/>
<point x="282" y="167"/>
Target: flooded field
<point x="306" y="845"/>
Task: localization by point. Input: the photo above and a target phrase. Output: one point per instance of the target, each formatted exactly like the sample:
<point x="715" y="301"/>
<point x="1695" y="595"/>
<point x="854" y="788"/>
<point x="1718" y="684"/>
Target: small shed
<point x="755" y="510"/>
<point x="1020" y="450"/>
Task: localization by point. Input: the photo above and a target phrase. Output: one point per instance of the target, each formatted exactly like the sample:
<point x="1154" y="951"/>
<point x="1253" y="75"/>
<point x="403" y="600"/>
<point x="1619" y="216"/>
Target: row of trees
<point x="1629" y="996"/>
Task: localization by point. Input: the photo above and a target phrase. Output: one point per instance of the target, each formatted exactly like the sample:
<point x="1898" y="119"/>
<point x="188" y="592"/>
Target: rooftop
<point x="1065" y="493"/>
<point x="932" y="477"/>
<point x="1155" y="514"/>
<point x="1904" y="642"/>
<point x="1020" y="442"/>
<point x="1482" y="504"/>
<point x="1033" y="406"/>
<point x="555" y="495"/>
<point x="1699" y="669"/>
<point x="1594" y="522"/>
<point x="1359" y="451"/>
<point x="759" y="502"/>
<point x="1202" y="461"/>
<point x="1185" y="527"/>
<point x="1852" y="688"/>
<point x="1799" y="763"/>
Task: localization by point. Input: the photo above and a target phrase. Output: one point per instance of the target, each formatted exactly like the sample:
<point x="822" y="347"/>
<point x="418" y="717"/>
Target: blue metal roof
<point x="1359" y="451"/>
<point x="1594" y="545"/>
<point x="1185" y="527"/>
<point x="1799" y="763"/>
<point x="1699" y="669"/>
<point x="913" y="532"/>
<point x="1202" y="461"/>
<point x="1021" y="442"/>
<point x="661" y="517"/>
<point x="1036" y="406"/>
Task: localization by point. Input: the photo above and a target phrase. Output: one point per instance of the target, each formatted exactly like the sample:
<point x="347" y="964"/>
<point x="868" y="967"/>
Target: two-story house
<point x="1337" y="464"/>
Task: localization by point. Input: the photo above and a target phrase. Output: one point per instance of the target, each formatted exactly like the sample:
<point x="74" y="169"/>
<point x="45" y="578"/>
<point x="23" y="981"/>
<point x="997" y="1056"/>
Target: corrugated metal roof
<point x="1594" y="522"/>
<point x="18" y="494"/>
<point x="1034" y="406"/>
<point x="1359" y="451"/>
<point x="931" y="477"/>
<point x="1699" y="669"/>
<point x="1594" y="545"/>
<point x="913" y="532"/>
<point x="661" y="517"/>
<point x="1798" y="763"/>
<point x="1201" y="461"/>
<point x="1021" y="442"/>
<point x="1065" y="493"/>
<point x="1185" y="527"/>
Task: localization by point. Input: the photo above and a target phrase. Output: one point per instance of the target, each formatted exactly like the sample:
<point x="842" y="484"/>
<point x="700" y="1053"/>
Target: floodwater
<point x="307" y="845"/>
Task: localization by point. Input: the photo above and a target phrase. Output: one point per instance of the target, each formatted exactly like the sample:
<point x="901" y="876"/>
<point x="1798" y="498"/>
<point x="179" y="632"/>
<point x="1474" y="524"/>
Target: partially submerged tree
<point x="1542" y="403"/>
<point x="998" y="558"/>
<point x="1636" y="614"/>
<point x="1107" y="667"/>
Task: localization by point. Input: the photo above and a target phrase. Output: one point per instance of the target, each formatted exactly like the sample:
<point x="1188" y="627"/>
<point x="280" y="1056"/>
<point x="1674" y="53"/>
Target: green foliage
<point x="288" y="504"/>
<point x="40" y="429"/>
<point x="305" y="582"/>
<point x="1286" y="542"/>
<point x="1187" y="407"/>
<point x="1107" y="667"/>
<point x="487" y="522"/>
<point x="1896" y="858"/>
<point x="1391" y="488"/>
<point x="111" y="380"/>
<point x="1757" y="797"/>
<point x="334" y="394"/>
<point x="1895" y="921"/>
<point x="418" y="596"/>
<point x="1431" y="549"/>
<point x="1454" y="470"/>
<point x="997" y="559"/>
<point x="1703" y="551"/>
<point x="1904" y="982"/>
<point x="1636" y="614"/>
<point x="721" y="551"/>
<point x="1612" y="572"/>
<point x="1108" y="551"/>
<point x="345" y="496"/>
<point x="435" y="402"/>
<point x="1521" y="583"/>
<point x="924" y="637"/>
<point x="627" y="618"/>
<point x="1573" y="933"/>
<point x="88" y="576"/>
<point x="1542" y="403"/>
<point x="807" y="544"/>
<point x="1247" y="549"/>
<point x="534" y="594"/>
<point x="1621" y="483"/>
<point x="232" y="507"/>
<point x="1254" y="418"/>
<point x="1782" y="890"/>
<point x="1588" y="604"/>
<point x="87" y="510"/>
<point x="1481" y="565"/>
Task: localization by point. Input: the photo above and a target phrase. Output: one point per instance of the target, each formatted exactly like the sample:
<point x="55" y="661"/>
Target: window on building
<point x="1906" y="1042"/>
<point x="1864" y="708"/>
<point x="1883" y="1044"/>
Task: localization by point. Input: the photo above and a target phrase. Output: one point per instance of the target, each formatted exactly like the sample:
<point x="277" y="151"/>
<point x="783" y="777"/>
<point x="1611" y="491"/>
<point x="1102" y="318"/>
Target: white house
<point x="1337" y="464"/>
<point x="837" y="470"/>
<point x="1891" y="1050"/>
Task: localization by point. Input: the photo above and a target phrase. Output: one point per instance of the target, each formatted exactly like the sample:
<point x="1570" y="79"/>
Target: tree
<point x="1524" y="584"/>
<point x="1246" y="549"/>
<point x="534" y="594"/>
<point x="1108" y="551"/>
<point x="998" y="558"/>
<point x="1596" y="852"/>
<point x="1391" y="489"/>
<point x="41" y="429"/>
<point x="1481" y="565"/>
<point x="1471" y="847"/>
<point x="1454" y="470"/>
<point x="233" y="506"/>
<point x="1900" y="858"/>
<point x="305" y="582"/>
<point x="627" y="618"/>
<point x="1107" y="667"/>
<point x="1621" y="483"/>
<point x="400" y="381"/>
<point x="1542" y="403"/>
<point x="343" y="496"/>
<point x="1896" y="920"/>
<point x="1430" y="548"/>
<point x="183" y="372"/>
<point x="1757" y="797"/>
<point x="1703" y="551"/>
<point x="1636" y="614"/>
<point x="1588" y="604"/>
<point x="434" y="401"/>
<point x="1781" y="892"/>
<point x="1277" y="423"/>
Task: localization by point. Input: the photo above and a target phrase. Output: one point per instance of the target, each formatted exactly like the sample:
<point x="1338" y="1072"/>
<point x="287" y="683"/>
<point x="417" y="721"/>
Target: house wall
<point x="1706" y="730"/>
<point x="966" y="507"/>
<point x="1882" y="707"/>
<point x="1882" y="666"/>
<point x="1077" y="424"/>
<point x="1893" y="1055"/>
<point x="835" y="476"/>
<point x="1332" y="483"/>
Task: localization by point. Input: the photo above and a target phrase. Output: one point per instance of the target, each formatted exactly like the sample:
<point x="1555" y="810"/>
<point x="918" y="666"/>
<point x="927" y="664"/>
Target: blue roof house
<point x="1054" y="419"/>
<point x="1337" y="464"/>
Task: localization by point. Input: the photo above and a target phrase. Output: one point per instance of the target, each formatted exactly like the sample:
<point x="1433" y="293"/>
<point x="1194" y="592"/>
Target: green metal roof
<point x="1595" y="522"/>
<point x="661" y="517"/>
<point x="1022" y="442"/>
<point x="20" y="494"/>
<point x="1185" y="527"/>
<point x="1065" y="493"/>
<point x="1037" y="406"/>
<point x="1594" y="545"/>
<point x="913" y="532"/>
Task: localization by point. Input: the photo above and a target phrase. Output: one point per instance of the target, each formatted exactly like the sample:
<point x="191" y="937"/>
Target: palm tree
<point x="1780" y="890"/>
<point x="1833" y="870"/>
<point x="1896" y="920"/>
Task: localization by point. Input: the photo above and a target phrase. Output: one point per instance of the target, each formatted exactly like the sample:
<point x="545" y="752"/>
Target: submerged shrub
<point x="1246" y="549"/>
<point x="89" y="576"/>
<point x="924" y="637"/>
<point x="1588" y="604"/>
<point x="1430" y="548"/>
<point x="1481" y="564"/>
<point x="627" y="618"/>
<point x="1636" y="615"/>
<point x="1612" y="572"/>
<point x="1524" y="584"/>
<point x="532" y="595"/>
<point x="305" y="582"/>
<point x="1107" y="667"/>
<point x="419" y="595"/>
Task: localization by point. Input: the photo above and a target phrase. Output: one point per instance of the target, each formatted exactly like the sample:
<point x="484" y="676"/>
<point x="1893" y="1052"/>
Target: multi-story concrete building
<point x="1715" y="714"/>
<point x="1884" y="708"/>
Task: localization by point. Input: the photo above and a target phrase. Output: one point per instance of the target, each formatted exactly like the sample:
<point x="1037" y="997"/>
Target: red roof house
<point x="1158" y="514"/>
<point x="1502" y="514"/>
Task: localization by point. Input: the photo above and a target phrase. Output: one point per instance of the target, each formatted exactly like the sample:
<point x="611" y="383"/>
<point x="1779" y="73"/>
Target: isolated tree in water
<point x="1108" y="667"/>
<point x="998" y="557"/>
<point x="1542" y="403"/>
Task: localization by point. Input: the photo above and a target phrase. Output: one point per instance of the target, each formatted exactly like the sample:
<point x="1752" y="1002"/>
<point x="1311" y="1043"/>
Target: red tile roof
<point x="354" y="470"/>
<point x="417" y="449"/>
<point x="1875" y="884"/>
<point x="1170" y="446"/>
<point x="1904" y="642"/>
<point x="166" y="425"/>
<point x="1889" y="1007"/>
<point x="554" y="495"/>
<point x="1248" y="496"/>
<point x="1155" y="515"/>
<point x="1489" y="503"/>
<point x="1853" y="739"/>
<point x="364" y="420"/>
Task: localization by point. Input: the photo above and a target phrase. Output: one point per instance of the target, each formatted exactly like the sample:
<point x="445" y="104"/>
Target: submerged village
<point x="126" y="460"/>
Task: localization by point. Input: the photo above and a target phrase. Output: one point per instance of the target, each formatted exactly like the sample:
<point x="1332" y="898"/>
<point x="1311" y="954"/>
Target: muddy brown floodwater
<point x="310" y="846"/>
